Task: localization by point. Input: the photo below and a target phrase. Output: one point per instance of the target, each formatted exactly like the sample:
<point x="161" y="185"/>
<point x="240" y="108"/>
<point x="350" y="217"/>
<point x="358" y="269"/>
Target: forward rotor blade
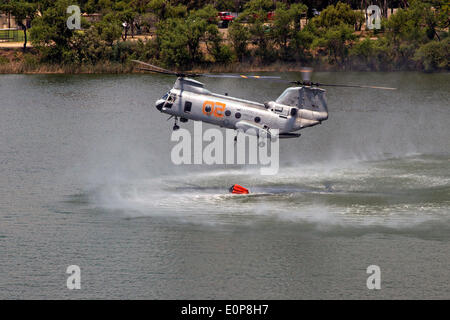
<point x="156" y="71"/>
<point x="155" y="68"/>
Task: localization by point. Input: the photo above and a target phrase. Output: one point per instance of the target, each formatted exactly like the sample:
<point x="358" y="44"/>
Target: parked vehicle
<point x="225" y="18"/>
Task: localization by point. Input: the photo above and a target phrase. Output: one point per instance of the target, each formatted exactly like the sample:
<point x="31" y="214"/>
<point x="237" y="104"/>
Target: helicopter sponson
<point x="295" y="109"/>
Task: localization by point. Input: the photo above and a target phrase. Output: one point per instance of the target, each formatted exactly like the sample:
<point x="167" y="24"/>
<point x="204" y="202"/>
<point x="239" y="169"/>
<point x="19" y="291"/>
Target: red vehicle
<point x="225" y="19"/>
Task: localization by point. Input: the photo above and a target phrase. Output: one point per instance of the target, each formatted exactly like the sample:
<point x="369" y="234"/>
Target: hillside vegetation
<point x="184" y="34"/>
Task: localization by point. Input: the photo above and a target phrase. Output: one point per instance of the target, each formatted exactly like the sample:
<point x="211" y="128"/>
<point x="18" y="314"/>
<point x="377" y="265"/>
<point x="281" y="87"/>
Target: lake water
<point x="86" y="179"/>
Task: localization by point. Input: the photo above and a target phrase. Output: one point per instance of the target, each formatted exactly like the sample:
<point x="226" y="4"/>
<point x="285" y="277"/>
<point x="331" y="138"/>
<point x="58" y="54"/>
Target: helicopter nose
<point x="159" y="104"/>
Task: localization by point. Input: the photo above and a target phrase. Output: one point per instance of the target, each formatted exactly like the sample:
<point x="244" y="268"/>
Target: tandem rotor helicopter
<point x="301" y="106"/>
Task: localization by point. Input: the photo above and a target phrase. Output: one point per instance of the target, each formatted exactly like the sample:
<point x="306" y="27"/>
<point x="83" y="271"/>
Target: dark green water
<point x="86" y="179"/>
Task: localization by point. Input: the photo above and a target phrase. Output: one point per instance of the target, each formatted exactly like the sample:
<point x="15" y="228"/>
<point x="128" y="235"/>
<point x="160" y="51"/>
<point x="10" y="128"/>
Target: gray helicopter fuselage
<point x="295" y="109"/>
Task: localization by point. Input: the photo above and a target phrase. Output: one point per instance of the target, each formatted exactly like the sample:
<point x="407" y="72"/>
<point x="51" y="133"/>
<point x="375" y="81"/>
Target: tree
<point x="214" y="43"/>
<point x="337" y="15"/>
<point x="173" y="42"/>
<point x="226" y="5"/>
<point x="297" y="11"/>
<point x="109" y="28"/>
<point x="197" y="25"/>
<point x="239" y="36"/>
<point x="301" y="43"/>
<point x="256" y="14"/>
<point x="434" y="55"/>
<point x="163" y="9"/>
<point x="21" y="10"/>
<point x="258" y="6"/>
<point x="50" y="33"/>
<point x="179" y="38"/>
<point x="336" y="41"/>
<point x="285" y="26"/>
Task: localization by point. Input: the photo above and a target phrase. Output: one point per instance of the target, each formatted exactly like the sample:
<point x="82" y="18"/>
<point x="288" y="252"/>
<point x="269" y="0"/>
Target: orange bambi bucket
<point x="237" y="189"/>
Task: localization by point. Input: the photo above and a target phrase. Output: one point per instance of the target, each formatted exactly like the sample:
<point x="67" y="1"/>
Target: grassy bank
<point x="21" y="67"/>
<point x="14" y="61"/>
<point x="30" y="65"/>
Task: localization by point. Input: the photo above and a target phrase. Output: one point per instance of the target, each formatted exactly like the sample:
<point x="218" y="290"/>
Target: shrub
<point x="3" y="60"/>
<point x="434" y="55"/>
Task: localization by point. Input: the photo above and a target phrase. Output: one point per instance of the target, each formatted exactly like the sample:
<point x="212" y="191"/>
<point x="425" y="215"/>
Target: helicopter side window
<point x="293" y="112"/>
<point x="228" y="113"/>
<point x="187" y="107"/>
<point x="237" y="115"/>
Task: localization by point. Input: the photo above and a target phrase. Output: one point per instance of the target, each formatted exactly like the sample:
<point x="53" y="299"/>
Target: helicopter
<point x="300" y="106"/>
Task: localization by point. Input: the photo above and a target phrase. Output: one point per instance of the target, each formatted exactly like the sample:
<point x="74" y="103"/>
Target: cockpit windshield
<point x="164" y="97"/>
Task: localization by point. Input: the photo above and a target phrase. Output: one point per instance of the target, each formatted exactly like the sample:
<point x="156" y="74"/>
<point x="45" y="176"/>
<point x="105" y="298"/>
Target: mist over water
<point x="368" y="164"/>
<point x="87" y="178"/>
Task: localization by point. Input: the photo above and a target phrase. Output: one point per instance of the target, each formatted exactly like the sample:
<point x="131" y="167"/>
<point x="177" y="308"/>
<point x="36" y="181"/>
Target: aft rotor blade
<point x="238" y="76"/>
<point x="353" y="86"/>
<point x="155" y="68"/>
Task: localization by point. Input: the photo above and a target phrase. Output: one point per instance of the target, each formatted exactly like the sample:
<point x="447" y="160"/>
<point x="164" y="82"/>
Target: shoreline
<point x="14" y="61"/>
<point x="116" y="68"/>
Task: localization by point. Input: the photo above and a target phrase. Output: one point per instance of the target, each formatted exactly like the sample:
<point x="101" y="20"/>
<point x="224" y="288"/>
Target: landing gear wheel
<point x="176" y="126"/>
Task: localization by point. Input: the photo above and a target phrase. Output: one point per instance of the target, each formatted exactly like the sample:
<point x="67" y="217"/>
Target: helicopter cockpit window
<point x="172" y="98"/>
<point x="164" y="97"/>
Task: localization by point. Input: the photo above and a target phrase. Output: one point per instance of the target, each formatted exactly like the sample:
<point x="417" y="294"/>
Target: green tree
<point x="370" y="55"/>
<point x="255" y="14"/>
<point x="50" y="33"/>
<point x="89" y="48"/>
<point x="221" y="52"/>
<point x="410" y="28"/>
<point x="109" y="28"/>
<point x="301" y="44"/>
<point x="338" y="15"/>
<point x="163" y="9"/>
<point x="179" y="38"/>
<point x="198" y="22"/>
<point x="336" y="41"/>
<point x="258" y="7"/>
<point x="173" y="43"/>
<point x="285" y="27"/>
<point x="434" y="55"/>
<point x="239" y="36"/>
<point x="21" y="10"/>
